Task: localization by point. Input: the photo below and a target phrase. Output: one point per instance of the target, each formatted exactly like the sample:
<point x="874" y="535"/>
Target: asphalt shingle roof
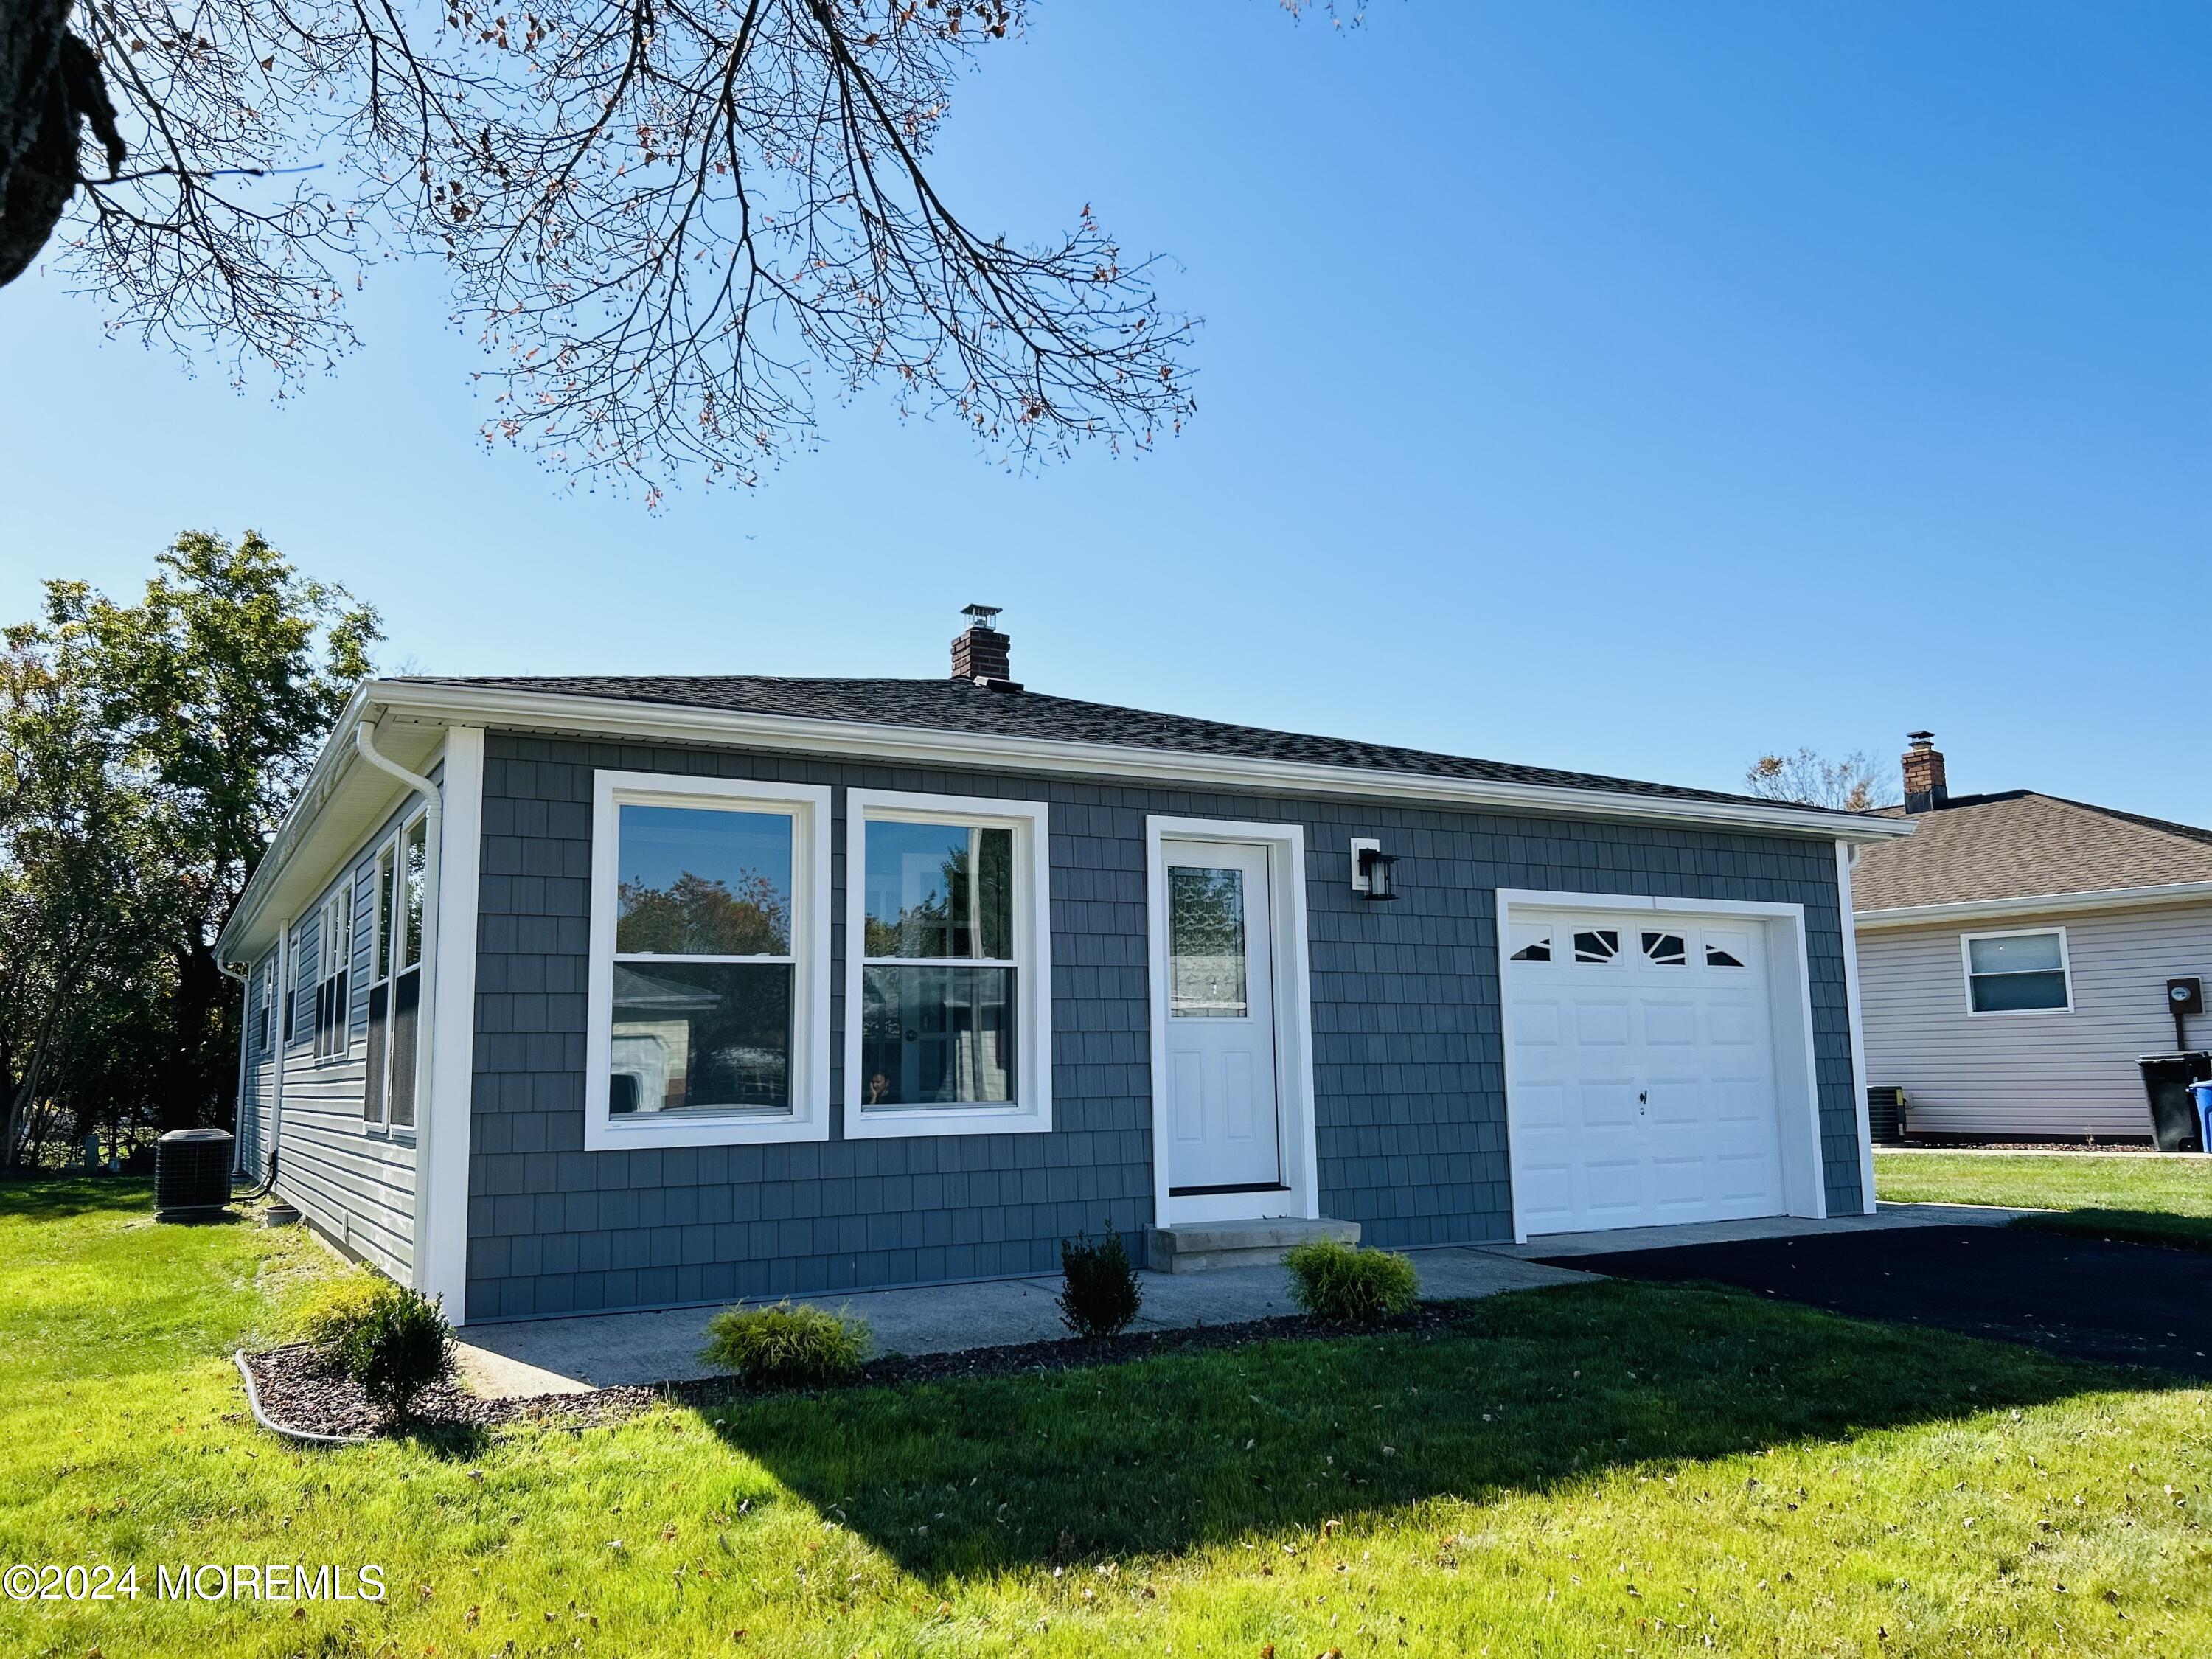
<point x="2024" y="845"/>
<point x="954" y="705"/>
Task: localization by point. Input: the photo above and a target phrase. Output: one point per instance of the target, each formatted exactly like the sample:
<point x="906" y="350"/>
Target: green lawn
<point x="2155" y="1201"/>
<point x="1617" y="1468"/>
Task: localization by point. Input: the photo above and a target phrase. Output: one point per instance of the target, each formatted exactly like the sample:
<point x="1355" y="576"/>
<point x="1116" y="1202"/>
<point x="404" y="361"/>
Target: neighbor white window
<point x="709" y="964"/>
<point x="2017" y="973"/>
<point x="948" y="976"/>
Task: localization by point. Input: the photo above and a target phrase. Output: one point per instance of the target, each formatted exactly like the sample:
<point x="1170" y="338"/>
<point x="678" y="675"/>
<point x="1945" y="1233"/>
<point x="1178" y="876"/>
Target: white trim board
<point x="1854" y="1010"/>
<point x="1031" y="821"/>
<point x="1294" y="1077"/>
<point x="1798" y="1086"/>
<point x="2037" y="904"/>
<point x="445" y="1086"/>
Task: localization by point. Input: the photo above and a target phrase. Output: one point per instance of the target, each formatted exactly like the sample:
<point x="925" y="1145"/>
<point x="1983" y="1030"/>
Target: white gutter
<point x="559" y="712"/>
<point x="2105" y="898"/>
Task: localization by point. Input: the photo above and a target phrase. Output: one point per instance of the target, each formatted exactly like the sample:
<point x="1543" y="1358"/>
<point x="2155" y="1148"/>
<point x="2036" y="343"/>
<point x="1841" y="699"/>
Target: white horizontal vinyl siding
<point x="2043" y="1073"/>
<point x="354" y="1181"/>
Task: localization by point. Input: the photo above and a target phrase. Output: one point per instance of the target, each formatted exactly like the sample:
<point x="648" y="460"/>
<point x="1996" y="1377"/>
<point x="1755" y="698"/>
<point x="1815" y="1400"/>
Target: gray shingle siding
<point x="1409" y="1077"/>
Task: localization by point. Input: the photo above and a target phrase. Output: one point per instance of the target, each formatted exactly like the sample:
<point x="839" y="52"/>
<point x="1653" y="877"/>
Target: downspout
<point x="245" y="1037"/>
<point x="434" y="823"/>
<point x="280" y="988"/>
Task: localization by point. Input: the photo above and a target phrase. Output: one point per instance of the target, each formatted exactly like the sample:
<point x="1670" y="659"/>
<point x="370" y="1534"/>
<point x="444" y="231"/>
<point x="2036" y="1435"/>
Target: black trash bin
<point x="2167" y="1078"/>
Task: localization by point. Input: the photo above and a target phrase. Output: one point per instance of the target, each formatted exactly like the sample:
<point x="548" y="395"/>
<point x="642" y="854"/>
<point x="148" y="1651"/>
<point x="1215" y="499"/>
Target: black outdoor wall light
<point x="1372" y="873"/>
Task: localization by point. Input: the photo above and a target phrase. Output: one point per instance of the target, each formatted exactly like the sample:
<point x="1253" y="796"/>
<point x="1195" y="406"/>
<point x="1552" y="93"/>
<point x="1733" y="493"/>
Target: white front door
<point x="1644" y="1086"/>
<point x="1223" y="1126"/>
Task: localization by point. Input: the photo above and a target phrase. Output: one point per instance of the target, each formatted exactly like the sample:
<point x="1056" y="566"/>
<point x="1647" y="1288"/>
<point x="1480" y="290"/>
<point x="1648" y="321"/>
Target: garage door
<point x="1643" y="1088"/>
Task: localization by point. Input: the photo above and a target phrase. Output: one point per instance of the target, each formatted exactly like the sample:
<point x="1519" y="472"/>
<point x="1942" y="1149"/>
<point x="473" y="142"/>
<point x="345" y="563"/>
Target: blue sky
<point x="1614" y="387"/>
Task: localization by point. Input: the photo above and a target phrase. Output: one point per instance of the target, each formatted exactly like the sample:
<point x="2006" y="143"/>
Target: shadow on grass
<point x="56" y="1198"/>
<point x="2180" y="1232"/>
<point x="1533" y="1389"/>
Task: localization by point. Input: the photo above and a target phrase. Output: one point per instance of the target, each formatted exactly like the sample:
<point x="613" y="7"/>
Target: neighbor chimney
<point x="980" y="654"/>
<point x="1924" y="788"/>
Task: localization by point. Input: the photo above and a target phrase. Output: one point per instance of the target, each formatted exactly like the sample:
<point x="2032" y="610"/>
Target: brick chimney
<point x="980" y="653"/>
<point x="1925" y="790"/>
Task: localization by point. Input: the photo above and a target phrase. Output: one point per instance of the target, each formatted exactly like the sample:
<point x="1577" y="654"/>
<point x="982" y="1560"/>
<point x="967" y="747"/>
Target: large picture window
<point x="2017" y="973"/>
<point x="946" y="967"/>
<point x="709" y="970"/>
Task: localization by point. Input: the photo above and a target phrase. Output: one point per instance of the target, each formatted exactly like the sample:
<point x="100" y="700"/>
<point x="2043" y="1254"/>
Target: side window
<point x="396" y="879"/>
<point x="333" y="966"/>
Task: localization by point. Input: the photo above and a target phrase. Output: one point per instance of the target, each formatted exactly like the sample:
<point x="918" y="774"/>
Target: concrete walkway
<point x="568" y="1356"/>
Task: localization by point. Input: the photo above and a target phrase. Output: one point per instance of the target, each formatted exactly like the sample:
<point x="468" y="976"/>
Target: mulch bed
<point x="300" y="1389"/>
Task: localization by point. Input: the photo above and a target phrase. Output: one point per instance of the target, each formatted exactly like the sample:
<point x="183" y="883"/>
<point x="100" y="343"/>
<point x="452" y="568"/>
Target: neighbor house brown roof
<point x="2024" y="845"/>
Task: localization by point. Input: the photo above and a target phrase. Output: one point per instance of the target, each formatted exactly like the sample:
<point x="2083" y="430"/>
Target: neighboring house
<point x="2014" y="954"/>
<point x="570" y="994"/>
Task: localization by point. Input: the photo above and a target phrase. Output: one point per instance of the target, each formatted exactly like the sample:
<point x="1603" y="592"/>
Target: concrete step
<point x="1198" y="1247"/>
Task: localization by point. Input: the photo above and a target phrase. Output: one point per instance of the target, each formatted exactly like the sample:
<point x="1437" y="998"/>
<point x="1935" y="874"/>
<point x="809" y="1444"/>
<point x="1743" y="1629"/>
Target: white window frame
<point x="1966" y="967"/>
<point x="808" y="807"/>
<point x="1030" y="821"/>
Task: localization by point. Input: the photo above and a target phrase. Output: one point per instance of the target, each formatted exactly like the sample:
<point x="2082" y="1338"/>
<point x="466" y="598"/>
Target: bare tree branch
<point x="670" y="223"/>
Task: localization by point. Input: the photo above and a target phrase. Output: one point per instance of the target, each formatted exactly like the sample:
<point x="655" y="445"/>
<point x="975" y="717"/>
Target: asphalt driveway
<point x="2119" y="1305"/>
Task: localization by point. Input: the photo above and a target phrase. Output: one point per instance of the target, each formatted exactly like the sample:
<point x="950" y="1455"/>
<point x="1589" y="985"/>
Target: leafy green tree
<point x="75" y="907"/>
<point x="152" y="749"/>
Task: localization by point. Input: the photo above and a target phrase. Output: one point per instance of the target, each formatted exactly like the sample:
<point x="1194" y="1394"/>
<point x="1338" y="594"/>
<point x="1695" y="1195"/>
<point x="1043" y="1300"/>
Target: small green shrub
<point x="397" y="1346"/>
<point x="785" y="1345"/>
<point x="1331" y="1281"/>
<point x="335" y="1305"/>
<point x="1099" y="1294"/>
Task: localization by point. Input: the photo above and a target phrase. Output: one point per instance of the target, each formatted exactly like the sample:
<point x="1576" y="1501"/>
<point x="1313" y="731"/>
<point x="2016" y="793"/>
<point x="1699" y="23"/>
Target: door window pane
<point x="937" y="1035"/>
<point x="939" y="891"/>
<point x="1205" y="944"/>
<point x="701" y="1036"/>
<point x="697" y="882"/>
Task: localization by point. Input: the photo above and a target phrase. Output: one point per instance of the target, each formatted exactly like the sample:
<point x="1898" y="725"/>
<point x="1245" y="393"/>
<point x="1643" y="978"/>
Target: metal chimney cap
<point x="982" y="616"/>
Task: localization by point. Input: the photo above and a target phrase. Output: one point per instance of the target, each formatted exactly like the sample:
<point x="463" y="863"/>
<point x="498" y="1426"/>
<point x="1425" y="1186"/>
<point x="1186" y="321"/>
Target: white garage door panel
<point x="1644" y="1082"/>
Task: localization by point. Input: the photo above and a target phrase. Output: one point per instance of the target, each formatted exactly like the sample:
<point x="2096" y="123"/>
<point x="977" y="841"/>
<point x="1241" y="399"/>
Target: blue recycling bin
<point x="2202" y="1094"/>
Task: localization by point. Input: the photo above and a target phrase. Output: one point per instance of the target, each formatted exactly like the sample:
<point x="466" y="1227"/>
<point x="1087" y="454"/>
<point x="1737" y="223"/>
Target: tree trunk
<point x="188" y="1093"/>
<point x="50" y="86"/>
